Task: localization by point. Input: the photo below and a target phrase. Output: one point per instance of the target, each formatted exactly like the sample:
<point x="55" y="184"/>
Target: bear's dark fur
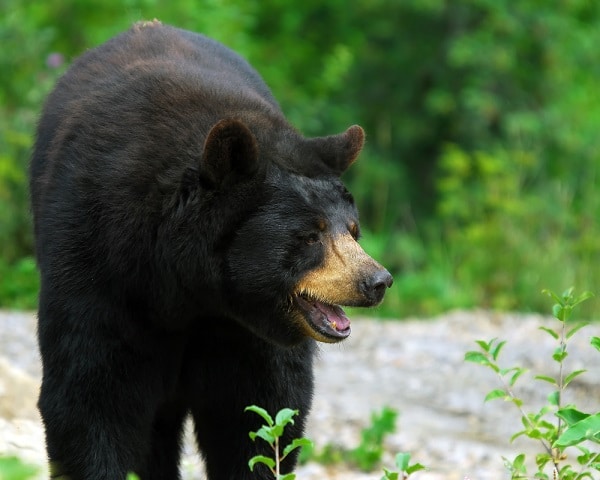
<point x="192" y="247"/>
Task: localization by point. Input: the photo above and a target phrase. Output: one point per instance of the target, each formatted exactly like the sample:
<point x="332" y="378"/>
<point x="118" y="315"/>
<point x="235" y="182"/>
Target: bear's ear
<point x="229" y="149"/>
<point x="338" y="152"/>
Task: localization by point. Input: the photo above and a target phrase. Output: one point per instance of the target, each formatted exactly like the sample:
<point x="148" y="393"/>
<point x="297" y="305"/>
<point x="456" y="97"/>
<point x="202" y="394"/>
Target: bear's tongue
<point x="328" y="320"/>
<point x="334" y="315"/>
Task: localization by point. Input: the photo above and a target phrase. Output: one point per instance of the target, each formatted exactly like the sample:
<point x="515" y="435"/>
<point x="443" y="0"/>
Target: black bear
<point x="192" y="247"/>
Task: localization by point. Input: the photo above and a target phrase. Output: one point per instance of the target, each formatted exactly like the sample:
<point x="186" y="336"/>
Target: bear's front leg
<point x="103" y="394"/>
<point x="232" y="371"/>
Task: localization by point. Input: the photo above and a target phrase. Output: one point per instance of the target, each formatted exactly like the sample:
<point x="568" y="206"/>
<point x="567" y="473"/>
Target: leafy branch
<point x="571" y="427"/>
<point x="271" y="433"/>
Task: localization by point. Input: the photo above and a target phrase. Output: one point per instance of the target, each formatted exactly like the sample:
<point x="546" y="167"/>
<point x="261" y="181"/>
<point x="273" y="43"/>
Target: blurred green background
<point x="479" y="184"/>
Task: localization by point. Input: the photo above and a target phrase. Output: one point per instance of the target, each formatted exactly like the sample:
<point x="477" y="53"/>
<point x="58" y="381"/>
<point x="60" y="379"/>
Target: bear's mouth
<point x="327" y="320"/>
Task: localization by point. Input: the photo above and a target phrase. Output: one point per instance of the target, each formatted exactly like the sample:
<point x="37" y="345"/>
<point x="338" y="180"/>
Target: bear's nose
<point x="374" y="287"/>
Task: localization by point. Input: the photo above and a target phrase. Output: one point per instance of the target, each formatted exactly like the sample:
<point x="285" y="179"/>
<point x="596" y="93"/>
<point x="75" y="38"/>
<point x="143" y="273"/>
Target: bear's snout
<point x="348" y="276"/>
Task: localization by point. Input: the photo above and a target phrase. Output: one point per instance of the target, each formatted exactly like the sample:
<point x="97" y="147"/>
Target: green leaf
<point x="586" y="429"/>
<point x="389" y="475"/>
<point x="497" y="393"/>
<point x="560" y="354"/>
<point x="542" y="459"/>
<point x="568" y="293"/>
<point x="277" y="430"/>
<point x="517" y="435"/>
<point x="285" y="416"/>
<point x="582" y="297"/>
<point x="550" y="332"/>
<point x="553" y="398"/>
<point x="516" y="375"/>
<point x="571" y="415"/>
<point x="571" y="376"/>
<point x="519" y="462"/>
<point x="415" y="468"/>
<point x="269" y="462"/>
<point x="402" y="461"/>
<point x="287" y="476"/>
<point x="544" y="424"/>
<point x="559" y="312"/>
<point x="586" y="455"/>
<point x="575" y="329"/>
<point x="595" y="342"/>
<point x="547" y="408"/>
<point x="477" y="357"/>
<point x="266" y="433"/>
<point x="534" y="433"/>
<point x="296" y="443"/>
<point x="517" y="401"/>
<point x="496" y="351"/>
<point x="584" y="475"/>
<point x="554" y="296"/>
<point x="485" y="346"/>
<point x="262" y="412"/>
<point x="546" y="378"/>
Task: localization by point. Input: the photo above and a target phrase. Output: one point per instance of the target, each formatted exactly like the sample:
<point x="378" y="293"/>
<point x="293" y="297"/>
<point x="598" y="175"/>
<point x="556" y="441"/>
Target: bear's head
<point x="294" y="259"/>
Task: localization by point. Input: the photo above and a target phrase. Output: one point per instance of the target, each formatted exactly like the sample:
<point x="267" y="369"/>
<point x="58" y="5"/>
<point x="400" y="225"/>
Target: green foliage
<point x="498" y="212"/>
<point x="481" y="165"/>
<point x="25" y="79"/>
<point x="368" y="454"/>
<point x="555" y="426"/>
<point x="580" y="427"/>
<point x="365" y="456"/>
<point x="19" y="283"/>
<point x="271" y="433"/>
<point x="403" y="468"/>
<point x="12" y="468"/>
<point x="486" y="152"/>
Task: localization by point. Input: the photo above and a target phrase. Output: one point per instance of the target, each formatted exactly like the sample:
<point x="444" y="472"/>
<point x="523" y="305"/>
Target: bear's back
<point x="187" y="58"/>
<point x="120" y="130"/>
<point x="134" y="112"/>
<point x="154" y="65"/>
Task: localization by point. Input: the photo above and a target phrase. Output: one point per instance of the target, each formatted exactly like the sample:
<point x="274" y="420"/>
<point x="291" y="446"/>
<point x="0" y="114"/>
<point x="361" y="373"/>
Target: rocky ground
<point x="413" y="366"/>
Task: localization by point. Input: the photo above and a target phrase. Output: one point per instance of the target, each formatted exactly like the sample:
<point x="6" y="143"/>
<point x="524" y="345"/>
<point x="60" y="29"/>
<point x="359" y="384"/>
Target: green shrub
<point x="19" y="284"/>
<point x="271" y="433"/>
<point x="367" y="455"/>
<point x="12" y="468"/>
<point x="558" y="428"/>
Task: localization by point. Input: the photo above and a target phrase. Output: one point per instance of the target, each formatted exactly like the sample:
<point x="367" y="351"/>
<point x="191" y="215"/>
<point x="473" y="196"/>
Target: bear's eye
<point x="312" y="238"/>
